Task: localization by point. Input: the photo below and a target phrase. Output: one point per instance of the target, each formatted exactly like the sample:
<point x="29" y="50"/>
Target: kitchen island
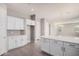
<point x="60" y="45"/>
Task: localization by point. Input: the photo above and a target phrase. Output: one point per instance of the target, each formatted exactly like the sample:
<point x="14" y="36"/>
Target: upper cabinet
<point x="15" y="23"/>
<point x="19" y="23"/>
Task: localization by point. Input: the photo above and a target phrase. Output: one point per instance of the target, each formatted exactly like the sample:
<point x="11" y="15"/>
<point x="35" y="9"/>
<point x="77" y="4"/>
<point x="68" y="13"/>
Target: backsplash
<point x="15" y="32"/>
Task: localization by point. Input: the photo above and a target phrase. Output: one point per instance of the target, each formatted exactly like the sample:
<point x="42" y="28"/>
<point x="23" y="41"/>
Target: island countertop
<point x="63" y="38"/>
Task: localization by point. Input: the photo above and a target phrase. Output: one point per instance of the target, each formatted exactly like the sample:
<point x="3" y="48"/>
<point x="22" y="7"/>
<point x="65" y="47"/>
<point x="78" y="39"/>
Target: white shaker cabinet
<point x="71" y="49"/>
<point x="24" y="40"/>
<point x="21" y="41"/>
<point x="11" y="22"/>
<point x="56" y="47"/>
<point x="15" y="23"/>
<point x="16" y="41"/>
<point x="45" y="45"/>
<point x="19" y="24"/>
<point x="51" y="46"/>
<point x="59" y="48"/>
<point x="11" y="43"/>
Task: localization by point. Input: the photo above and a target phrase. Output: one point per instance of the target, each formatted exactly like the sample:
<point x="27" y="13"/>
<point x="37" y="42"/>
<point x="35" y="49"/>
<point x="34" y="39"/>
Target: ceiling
<point x="51" y="12"/>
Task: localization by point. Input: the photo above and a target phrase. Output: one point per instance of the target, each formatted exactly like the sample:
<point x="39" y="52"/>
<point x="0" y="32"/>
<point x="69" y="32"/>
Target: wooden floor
<point x="30" y="49"/>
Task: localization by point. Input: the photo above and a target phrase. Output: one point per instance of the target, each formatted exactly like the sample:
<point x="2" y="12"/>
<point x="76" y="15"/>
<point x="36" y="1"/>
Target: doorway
<point x="32" y="33"/>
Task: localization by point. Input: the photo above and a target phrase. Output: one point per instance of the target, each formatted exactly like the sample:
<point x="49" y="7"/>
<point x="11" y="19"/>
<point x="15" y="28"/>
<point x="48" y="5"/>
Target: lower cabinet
<point x="11" y="43"/>
<point x="24" y="41"/>
<point x="59" y="48"/>
<point x="45" y="45"/>
<point x="16" y="41"/>
<point x="56" y="47"/>
<point x="71" y="49"/>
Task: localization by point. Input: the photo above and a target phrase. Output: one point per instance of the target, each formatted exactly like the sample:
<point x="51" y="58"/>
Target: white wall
<point x="27" y="32"/>
<point x="3" y="29"/>
<point x="67" y="27"/>
<point x="46" y="28"/>
<point x="37" y="30"/>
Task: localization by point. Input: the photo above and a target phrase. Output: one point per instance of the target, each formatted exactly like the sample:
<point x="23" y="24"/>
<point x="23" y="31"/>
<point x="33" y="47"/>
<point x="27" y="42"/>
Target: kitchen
<point x="53" y="27"/>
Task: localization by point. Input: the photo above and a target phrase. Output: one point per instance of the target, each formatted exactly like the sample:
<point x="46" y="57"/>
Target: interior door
<point x="3" y="33"/>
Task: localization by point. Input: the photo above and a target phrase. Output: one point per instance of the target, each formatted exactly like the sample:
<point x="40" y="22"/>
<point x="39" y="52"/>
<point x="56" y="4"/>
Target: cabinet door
<point x="51" y="47"/>
<point x="11" y="22"/>
<point x="24" y="40"/>
<point x="56" y="48"/>
<point x="21" y="41"/>
<point x="15" y="23"/>
<point x="45" y="45"/>
<point x="18" y="42"/>
<point x="19" y="23"/>
<point x="22" y="24"/>
<point x="11" y="43"/>
<point x="71" y="50"/>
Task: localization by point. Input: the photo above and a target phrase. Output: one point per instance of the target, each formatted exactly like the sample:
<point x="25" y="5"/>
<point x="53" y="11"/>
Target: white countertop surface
<point x="63" y="38"/>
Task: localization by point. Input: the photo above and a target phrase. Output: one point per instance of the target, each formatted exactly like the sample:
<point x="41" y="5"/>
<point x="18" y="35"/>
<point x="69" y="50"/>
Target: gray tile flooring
<point x="31" y="49"/>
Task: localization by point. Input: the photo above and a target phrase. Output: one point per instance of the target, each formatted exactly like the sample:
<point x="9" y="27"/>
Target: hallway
<point x="30" y="49"/>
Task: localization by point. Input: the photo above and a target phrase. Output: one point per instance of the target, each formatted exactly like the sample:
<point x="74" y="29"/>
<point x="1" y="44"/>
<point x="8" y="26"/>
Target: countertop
<point x="63" y="38"/>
